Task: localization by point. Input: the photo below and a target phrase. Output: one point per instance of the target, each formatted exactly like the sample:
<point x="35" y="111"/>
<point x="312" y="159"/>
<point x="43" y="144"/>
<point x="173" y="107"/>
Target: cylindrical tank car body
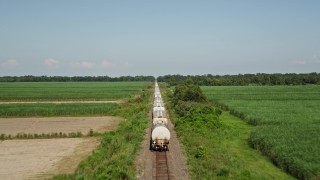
<point x="160" y="138"/>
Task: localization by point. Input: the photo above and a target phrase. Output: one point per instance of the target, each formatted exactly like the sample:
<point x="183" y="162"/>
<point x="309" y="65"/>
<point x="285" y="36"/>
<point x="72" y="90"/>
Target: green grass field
<point x="287" y="120"/>
<point x="227" y="154"/>
<point x="20" y="91"/>
<point x="49" y="110"/>
<point x="50" y="91"/>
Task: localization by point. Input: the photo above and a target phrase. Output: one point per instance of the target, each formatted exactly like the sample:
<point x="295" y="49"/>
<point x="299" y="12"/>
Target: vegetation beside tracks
<point x="215" y="141"/>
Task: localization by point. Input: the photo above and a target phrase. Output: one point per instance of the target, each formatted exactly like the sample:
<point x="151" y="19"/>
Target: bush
<point x="197" y="114"/>
<point x="188" y="91"/>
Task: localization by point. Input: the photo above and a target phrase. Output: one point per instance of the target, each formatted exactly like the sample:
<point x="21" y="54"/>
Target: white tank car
<point x="158" y="108"/>
<point x="160" y="138"/>
<point x="158" y="100"/>
<point x="158" y="104"/>
<point x="160" y="121"/>
<point x="159" y="113"/>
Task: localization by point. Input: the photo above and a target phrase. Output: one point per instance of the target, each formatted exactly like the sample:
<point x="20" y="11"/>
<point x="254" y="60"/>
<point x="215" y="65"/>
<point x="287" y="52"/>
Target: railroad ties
<point x="162" y="169"/>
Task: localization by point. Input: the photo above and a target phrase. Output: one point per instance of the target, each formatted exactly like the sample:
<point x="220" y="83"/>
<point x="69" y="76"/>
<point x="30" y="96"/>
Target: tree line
<point x="245" y="79"/>
<point x="31" y="78"/>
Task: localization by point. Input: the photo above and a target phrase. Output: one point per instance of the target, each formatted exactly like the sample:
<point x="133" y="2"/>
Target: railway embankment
<point x="214" y="141"/>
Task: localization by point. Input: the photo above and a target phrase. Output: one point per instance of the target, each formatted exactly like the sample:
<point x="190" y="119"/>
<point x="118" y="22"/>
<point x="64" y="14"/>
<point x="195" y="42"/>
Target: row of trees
<point x="203" y="80"/>
<point x="30" y="78"/>
<point x="245" y="79"/>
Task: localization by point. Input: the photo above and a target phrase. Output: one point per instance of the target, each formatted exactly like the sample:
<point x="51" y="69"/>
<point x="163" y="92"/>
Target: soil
<point x="47" y="125"/>
<point x="42" y="158"/>
<point x="176" y="159"/>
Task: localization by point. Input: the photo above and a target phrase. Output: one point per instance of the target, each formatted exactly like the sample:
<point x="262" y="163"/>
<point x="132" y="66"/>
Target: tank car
<point x="160" y="138"/>
<point x="159" y="112"/>
<point x="158" y="104"/>
<point x="160" y="121"/>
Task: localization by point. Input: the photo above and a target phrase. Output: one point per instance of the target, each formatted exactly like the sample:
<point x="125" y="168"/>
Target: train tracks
<point x="161" y="166"/>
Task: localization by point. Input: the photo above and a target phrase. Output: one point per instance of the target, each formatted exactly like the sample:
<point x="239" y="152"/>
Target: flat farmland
<point x="59" y="91"/>
<point x="50" y="125"/>
<point x="42" y="158"/>
<point x="31" y="112"/>
<point x="286" y="123"/>
<point x="47" y="99"/>
<point x="56" y="109"/>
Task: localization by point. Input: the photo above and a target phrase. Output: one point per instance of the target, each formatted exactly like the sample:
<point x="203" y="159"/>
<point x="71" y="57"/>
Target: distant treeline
<point x="30" y="78"/>
<point x="245" y="79"/>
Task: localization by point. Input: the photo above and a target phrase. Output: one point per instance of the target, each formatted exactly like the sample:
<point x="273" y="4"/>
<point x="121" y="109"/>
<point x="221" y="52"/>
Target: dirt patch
<point x="68" y="164"/>
<point x="42" y="158"/>
<point x="177" y="163"/>
<point x="46" y="125"/>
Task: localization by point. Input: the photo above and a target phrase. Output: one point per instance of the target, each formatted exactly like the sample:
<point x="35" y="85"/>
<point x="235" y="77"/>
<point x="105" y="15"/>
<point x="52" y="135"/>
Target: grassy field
<point x="60" y="91"/>
<point x="226" y="153"/>
<point x="217" y="148"/>
<point x="287" y="120"/>
<point x="51" y="110"/>
<point x="20" y="91"/>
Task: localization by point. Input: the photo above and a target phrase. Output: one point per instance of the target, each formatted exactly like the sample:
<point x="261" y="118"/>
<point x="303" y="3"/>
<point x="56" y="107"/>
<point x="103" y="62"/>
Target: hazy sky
<point x="153" y="37"/>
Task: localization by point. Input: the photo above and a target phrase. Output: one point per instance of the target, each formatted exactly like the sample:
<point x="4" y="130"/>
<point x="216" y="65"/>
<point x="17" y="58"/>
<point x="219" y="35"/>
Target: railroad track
<point x="161" y="165"/>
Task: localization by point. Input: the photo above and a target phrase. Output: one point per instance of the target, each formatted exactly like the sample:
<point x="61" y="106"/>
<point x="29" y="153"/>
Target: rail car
<point x="160" y="138"/>
<point x="160" y="134"/>
<point x="159" y="112"/>
<point x="160" y="121"/>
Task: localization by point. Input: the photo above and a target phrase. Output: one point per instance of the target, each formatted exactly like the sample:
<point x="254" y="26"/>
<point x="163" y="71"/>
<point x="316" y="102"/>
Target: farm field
<point x="52" y="109"/>
<point x="47" y="99"/>
<point x="56" y="109"/>
<point x="46" y="125"/>
<point x="215" y="142"/>
<point x="42" y="158"/>
<point x="44" y="91"/>
<point x="286" y="119"/>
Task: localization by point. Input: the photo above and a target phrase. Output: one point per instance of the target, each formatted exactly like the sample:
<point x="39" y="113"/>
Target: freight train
<point x="160" y="134"/>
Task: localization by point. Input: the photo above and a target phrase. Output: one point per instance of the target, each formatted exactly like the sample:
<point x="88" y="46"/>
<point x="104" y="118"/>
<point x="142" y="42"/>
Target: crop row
<point x="49" y="110"/>
<point x="286" y="119"/>
<point x="69" y="90"/>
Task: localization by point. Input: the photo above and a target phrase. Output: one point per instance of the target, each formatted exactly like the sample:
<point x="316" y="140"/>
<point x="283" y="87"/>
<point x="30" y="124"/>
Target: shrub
<point x="188" y="91"/>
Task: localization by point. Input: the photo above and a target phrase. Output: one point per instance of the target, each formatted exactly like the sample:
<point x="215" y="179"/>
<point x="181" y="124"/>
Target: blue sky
<point x="78" y="37"/>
